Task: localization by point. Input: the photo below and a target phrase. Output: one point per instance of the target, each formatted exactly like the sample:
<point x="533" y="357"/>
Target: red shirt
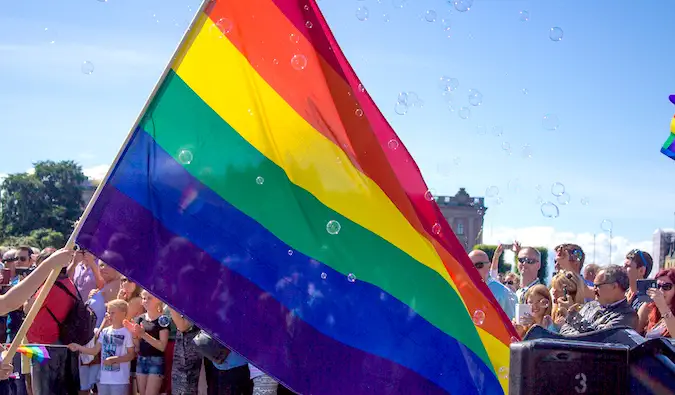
<point x="44" y="329"/>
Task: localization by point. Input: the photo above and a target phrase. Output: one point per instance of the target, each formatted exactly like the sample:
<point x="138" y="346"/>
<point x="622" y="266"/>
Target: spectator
<point x="638" y="265"/>
<point x="661" y="322"/>
<point x="504" y="296"/>
<point x="568" y="288"/>
<point x="590" y="271"/>
<point x="529" y="263"/>
<point x="609" y="310"/>
<point x="571" y="257"/>
<point x="58" y="373"/>
<point x="512" y="281"/>
<point x="539" y="299"/>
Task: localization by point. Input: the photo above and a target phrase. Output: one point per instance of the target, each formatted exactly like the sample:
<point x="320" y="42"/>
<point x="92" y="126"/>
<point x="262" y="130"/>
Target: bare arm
<point x="181" y="323"/>
<point x="86" y="350"/>
<point x="128" y="357"/>
<point x="20" y="293"/>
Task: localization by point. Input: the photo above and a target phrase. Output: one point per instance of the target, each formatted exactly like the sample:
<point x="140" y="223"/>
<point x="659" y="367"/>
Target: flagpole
<point x="49" y="282"/>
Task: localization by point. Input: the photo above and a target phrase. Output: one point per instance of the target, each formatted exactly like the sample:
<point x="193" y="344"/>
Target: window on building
<point x="460" y="228"/>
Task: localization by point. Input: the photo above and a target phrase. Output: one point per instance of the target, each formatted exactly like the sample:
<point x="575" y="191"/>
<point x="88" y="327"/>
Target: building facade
<point x="465" y="215"/>
<point x="663" y="251"/>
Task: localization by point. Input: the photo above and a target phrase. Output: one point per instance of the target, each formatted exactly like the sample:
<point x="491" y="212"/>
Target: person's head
<point x="512" y="281"/>
<point x="43" y="256"/>
<point x="569" y="257"/>
<point x="24" y="256"/>
<point x="570" y="282"/>
<point x="9" y="258"/>
<point x="130" y="288"/>
<point x="665" y="281"/>
<point x="151" y="303"/>
<point x="540" y="299"/>
<point x="108" y="273"/>
<point x="611" y="284"/>
<point x="529" y="263"/>
<point x="117" y="311"/>
<point x="638" y="264"/>
<point x="590" y="271"/>
<point x="481" y="262"/>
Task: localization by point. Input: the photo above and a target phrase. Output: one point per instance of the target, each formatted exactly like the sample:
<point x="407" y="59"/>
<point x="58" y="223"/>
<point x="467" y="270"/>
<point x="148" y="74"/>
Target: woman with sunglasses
<point x="539" y="299"/>
<point x="565" y="287"/>
<point x="661" y="322"/>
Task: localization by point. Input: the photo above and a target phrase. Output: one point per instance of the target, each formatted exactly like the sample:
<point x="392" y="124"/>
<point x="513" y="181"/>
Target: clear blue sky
<point x="607" y="81"/>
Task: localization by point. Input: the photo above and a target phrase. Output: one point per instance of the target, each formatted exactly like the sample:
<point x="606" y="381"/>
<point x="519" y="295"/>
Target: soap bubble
<point x="549" y="210"/>
<point x="606" y="225"/>
<point x="185" y="157"/>
<point x="333" y="227"/>
<point x="299" y="62"/>
<point x="524" y="16"/>
<point x="351" y="277"/>
<point x="550" y="122"/>
<point x="557" y="189"/>
<point x="464" y="112"/>
<point x="462" y="5"/>
<point x="87" y="67"/>
<point x="475" y="97"/>
<point x="478" y="317"/>
<point x="564" y="199"/>
<point x="362" y="13"/>
<point x="555" y="34"/>
<point x="430" y="16"/>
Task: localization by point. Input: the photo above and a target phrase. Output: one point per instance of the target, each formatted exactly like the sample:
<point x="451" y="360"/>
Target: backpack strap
<point x="66" y="290"/>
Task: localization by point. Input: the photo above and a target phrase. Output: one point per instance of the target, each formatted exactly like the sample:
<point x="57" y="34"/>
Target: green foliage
<point x="490" y="251"/>
<point x="40" y="238"/>
<point x="49" y="200"/>
<point x="543" y="270"/>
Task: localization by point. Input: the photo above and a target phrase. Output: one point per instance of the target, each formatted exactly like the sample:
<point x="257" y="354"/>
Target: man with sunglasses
<point x="529" y="263"/>
<point x="506" y="298"/>
<point x="610" y="309"/>
<point x="638" y="265"/>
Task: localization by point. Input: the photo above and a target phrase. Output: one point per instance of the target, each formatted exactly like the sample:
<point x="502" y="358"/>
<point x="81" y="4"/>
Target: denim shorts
<point x="150" y="365"/>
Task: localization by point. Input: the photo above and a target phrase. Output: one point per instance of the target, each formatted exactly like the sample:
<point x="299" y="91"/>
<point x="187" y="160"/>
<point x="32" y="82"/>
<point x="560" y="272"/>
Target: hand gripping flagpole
<point x="30" y="317"/>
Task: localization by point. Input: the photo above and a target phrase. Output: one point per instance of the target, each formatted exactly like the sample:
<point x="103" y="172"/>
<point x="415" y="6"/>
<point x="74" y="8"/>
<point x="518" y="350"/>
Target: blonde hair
<point x="160" y="304"/>
<point x="118" y="304"/>
<point x="574" y="285"/>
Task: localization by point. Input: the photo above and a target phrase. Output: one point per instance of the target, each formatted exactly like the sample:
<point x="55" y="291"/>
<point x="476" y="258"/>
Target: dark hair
<point x="617" y="274"/>
<point x="46" y="253"/>
<point x="655" y="314"/>
<point x="641" y="259"/>
<point x="24" y="248"/>
<point x="574" y="251"/>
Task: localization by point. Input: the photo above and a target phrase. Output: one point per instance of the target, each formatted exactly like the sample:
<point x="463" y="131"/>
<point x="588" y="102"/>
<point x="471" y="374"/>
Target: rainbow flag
<point x="265" y="196"/>
<point x="668" y="148"/>
<point x="36" y="353"/>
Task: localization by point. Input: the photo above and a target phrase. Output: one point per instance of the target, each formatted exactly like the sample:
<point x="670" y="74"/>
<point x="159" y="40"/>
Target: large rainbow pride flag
<point x="668" y="148"/>
<point x="264" y="195"/>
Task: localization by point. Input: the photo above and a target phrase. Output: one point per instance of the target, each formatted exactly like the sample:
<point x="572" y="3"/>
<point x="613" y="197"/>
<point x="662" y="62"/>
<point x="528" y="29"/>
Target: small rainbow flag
<point x="36" y="353"/>
<point x="264" y="195"/>
<point x="668" y="148"/>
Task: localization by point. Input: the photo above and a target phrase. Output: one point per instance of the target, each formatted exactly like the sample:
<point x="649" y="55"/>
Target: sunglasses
<point x="599" y="284"/>
<point x="18" y="258"/>
<point x="665" y="286"/>
<point x="480" y="265"/>
<point x="510" y="282"/>
<point x="527" y="260"/>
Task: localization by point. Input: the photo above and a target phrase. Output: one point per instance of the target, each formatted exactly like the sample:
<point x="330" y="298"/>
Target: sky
<point x="75" y="75"/>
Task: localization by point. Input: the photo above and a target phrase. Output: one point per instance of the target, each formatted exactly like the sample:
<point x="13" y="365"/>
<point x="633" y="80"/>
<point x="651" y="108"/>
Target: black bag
<point x="80" y="322"/>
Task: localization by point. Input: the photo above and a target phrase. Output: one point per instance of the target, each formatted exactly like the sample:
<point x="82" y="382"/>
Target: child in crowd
<point x="151" y="335"/>
<point x="115" y="343"/>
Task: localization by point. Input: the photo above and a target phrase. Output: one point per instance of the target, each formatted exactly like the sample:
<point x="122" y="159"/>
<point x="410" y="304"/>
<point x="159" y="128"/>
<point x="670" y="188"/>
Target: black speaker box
<point x="563" y="367"/>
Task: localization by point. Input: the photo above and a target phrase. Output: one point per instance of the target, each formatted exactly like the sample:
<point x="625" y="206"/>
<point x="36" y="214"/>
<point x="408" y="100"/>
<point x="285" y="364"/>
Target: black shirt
<point x="152" y="328"/>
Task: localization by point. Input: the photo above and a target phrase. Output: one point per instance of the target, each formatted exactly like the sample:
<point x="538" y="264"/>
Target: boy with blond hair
<point x="116" y="346"/>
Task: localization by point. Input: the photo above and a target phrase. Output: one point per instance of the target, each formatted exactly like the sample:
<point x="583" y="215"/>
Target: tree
<point x="50" y="198"/>
<point x="490" y="251"/>
<point x="543" y="270"/>
<point x="40" y="238"/>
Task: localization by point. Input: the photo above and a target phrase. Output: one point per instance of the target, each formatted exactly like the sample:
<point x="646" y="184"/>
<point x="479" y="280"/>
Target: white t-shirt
<point x="115" y="342"/>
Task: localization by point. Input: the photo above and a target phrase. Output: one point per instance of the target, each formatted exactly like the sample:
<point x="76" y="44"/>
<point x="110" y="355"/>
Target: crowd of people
<point x="580" y="298"/>
<point x="139" y="346"/>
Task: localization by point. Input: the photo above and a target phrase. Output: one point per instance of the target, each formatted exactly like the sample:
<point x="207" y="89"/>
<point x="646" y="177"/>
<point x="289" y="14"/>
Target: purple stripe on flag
<point x="232" y="308"/>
